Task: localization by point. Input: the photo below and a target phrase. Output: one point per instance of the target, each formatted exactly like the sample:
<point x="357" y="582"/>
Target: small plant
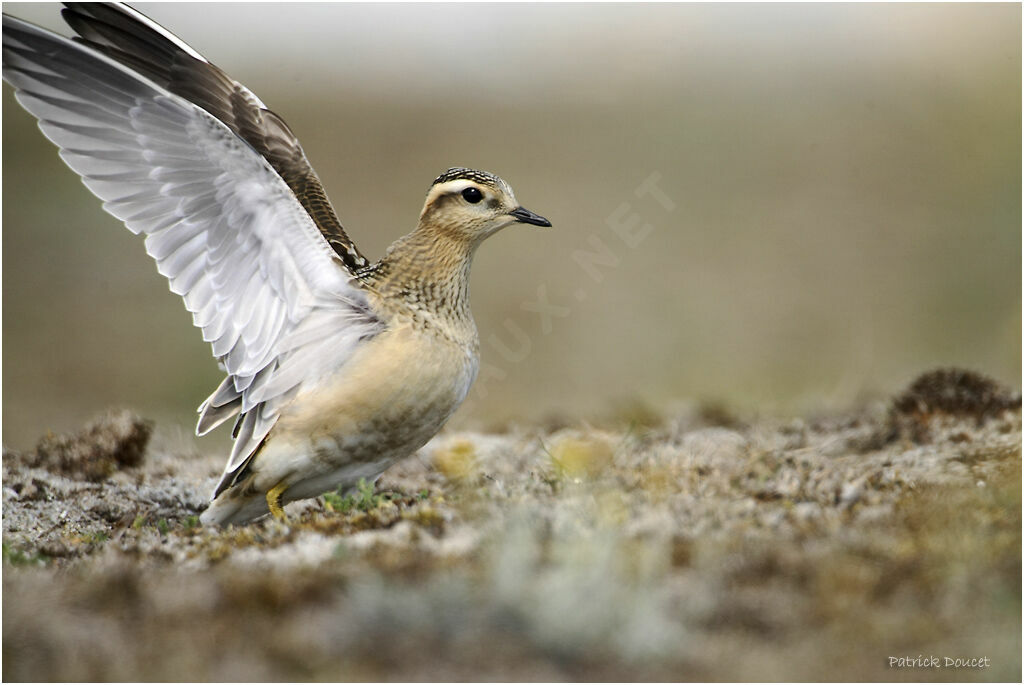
<point x="190" y="522"/>
<point x="364" y="499"/>
<point x="335" y="501"/>
<point x="367" y="498"/>
<point x="163" y="526"/>
<point x="98" y="538"/>
<point x="16" y="557"/>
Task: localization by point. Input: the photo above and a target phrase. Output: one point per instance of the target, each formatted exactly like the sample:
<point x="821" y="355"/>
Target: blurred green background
<point x="846" y="182"/>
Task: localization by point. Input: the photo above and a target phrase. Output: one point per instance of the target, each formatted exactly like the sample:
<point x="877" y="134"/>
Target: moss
<point x="427" y="517"/>
<point x="581" y="457"/>
<point x="457" y="461"/>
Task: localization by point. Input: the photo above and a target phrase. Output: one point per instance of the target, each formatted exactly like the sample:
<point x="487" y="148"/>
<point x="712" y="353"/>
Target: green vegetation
<point x="363" y="499"/>
<point x="17" y="557"/>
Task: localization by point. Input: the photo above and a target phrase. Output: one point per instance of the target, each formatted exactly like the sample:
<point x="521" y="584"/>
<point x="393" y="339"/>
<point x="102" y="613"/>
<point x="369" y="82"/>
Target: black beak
<point x="525" y="216"/>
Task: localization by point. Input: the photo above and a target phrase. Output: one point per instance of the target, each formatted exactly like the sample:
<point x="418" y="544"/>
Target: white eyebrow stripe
<point x="460" y="184"/>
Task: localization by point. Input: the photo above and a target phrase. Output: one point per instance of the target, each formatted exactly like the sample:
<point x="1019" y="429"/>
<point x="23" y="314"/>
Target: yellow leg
<point x="274" y="500"/>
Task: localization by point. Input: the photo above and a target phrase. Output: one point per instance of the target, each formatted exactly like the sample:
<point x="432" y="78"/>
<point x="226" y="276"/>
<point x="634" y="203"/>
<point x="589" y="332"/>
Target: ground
<point x="701" y="545"/>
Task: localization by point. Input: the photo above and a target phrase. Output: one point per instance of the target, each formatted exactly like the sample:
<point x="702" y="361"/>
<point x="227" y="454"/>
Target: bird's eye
<point x="472" y="195"/>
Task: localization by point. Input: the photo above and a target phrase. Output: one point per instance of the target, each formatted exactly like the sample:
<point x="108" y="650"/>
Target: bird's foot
<point x="274" y="501"/>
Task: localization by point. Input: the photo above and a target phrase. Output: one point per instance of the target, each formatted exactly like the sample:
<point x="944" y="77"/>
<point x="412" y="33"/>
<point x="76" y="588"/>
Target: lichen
<point x="569" y="554"/>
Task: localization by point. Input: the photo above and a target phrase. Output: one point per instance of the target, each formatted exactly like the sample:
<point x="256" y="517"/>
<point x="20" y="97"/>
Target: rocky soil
<point x="698" y="546"/>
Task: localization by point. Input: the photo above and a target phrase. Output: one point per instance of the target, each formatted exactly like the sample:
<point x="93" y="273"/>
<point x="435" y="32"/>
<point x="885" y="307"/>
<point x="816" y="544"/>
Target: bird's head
<point x="471" y="205"/>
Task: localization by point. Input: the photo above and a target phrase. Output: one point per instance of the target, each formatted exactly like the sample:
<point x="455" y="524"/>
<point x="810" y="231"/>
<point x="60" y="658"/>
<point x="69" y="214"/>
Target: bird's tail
<point x="235" y="508"/>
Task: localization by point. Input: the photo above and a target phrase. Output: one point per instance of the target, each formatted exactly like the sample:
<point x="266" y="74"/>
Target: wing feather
<point x="129" y="37"/>
<point x="223" y="226"/>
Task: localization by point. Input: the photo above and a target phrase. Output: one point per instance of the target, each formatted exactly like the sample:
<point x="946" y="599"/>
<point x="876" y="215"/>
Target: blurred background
<point x="844" y="184"/>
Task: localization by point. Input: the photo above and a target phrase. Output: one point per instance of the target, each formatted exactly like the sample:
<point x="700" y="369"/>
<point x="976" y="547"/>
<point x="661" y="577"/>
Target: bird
<point x="336" y="367"/>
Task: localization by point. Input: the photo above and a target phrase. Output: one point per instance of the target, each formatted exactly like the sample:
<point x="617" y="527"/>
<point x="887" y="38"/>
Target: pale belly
<point x="382" y="406"/>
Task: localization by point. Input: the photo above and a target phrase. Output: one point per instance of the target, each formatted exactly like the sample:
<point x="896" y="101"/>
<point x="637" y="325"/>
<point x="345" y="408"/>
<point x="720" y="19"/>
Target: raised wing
<point x="269" y="293"/>
<point x="135" y="40"/>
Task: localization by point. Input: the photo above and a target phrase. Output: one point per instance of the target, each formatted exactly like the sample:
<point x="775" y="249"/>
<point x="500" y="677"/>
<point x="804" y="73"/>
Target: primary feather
<point x="208" y="181"/>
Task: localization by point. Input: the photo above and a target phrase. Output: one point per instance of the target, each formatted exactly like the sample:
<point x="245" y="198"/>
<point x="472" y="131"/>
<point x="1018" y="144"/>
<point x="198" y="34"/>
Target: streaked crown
<point x="457" y="173"/>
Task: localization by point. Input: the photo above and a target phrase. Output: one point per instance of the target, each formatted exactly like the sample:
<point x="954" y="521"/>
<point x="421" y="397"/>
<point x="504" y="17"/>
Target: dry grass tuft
<point x="113" y="442"/>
